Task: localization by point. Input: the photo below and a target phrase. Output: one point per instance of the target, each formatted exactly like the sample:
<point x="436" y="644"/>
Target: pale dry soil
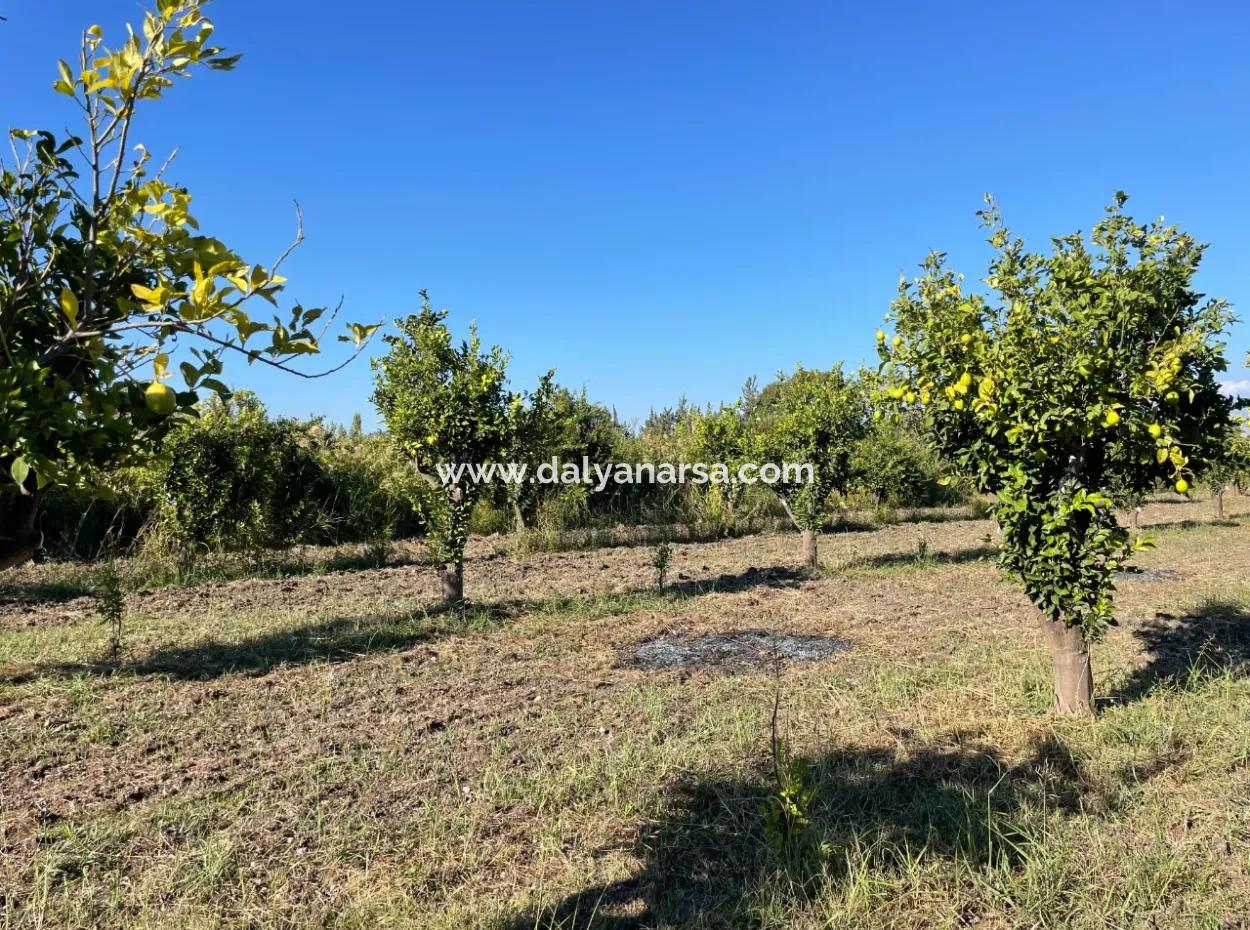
<point x="331" y="750"/>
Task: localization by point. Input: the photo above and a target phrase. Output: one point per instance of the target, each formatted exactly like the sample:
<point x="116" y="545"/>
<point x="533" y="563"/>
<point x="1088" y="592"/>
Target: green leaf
<point x="20" y="469"/>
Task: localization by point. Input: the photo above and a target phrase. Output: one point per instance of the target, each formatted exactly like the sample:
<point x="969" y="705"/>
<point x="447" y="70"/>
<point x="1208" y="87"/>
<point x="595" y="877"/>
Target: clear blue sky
<point x="662" y="198"/>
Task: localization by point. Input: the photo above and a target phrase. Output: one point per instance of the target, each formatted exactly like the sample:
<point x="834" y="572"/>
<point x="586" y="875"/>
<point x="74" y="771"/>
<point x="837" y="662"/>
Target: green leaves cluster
<point x="1091" y="367"/>
<point x="443" y="403"/>
<point x="810" y="416"/>
<point x="237" y="480"/>
<point x="105" y="275"/>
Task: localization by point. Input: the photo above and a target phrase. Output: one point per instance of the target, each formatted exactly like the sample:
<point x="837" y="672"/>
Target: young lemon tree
<point x="1229" y="467"/>
<point x="1084" y="369"/>
<point x="814" y="418"/>
<point x="104" y="274"/>
<point x="443" y="404"/>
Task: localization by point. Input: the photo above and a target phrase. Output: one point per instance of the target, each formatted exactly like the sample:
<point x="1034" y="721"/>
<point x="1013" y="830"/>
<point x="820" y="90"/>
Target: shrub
<point x="893" y="467"/>
<point x="236" y="479"/>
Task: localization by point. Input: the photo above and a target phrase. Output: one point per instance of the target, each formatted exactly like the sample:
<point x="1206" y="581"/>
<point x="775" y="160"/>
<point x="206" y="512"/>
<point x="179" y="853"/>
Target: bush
<point x="369" y="490"/>
<point x="893" y="468"/>
<point x="237" y="480"/>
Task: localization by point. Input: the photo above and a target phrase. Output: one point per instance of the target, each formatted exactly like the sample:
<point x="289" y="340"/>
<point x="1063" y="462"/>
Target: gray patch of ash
<point x="745" y="648"/>
<point x="1148" y="575"/>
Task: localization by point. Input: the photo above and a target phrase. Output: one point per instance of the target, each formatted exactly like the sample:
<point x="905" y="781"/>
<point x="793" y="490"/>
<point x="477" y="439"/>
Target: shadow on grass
<point x="52" y="591"/>
<point x="333" y="640"/>
<point x="704" y="864"/>
<point x="1190" y="524"/>
<point x="891" y="560"/>
<point x="778" y="576"/>
<point x="1213" y="639"/>
<point x="344" y="638"/>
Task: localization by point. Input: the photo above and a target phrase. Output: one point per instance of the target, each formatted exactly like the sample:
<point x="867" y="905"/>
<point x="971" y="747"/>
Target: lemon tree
<point x="815" y="418"/>
<point x="105" y="278"/>
<point x="1088" y="368"/>
<point x="1229" y="467"/>
<point x="444" y="404"/>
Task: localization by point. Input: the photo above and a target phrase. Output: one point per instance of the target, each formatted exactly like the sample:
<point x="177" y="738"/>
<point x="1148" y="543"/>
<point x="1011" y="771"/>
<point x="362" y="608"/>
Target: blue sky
<point x="662" y="198"/>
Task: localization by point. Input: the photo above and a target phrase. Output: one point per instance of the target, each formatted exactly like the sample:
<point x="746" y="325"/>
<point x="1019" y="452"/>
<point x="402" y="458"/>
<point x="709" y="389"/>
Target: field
<point x="325" y="750"/>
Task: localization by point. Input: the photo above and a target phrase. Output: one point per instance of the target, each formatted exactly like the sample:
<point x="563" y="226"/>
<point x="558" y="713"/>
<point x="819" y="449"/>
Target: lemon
<point x="1111" y="419"/>
<point x="965" y="338"/>
<point x="898" y="341"/>
<point x="910" y="397"/>
<point x="1171" y="397"/>
<point x="1182" y="486"/>
<point x="1155" y="430"/>
<point x="880" y="336"/>
<point x="959" y="404"/>
<point x="160" y="399"/>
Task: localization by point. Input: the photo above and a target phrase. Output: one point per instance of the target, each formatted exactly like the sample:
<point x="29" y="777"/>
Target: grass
<point x="326" y="750"/>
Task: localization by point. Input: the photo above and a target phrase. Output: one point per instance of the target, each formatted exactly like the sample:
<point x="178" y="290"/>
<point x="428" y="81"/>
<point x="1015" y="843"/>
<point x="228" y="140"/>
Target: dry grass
<point x="325" y="750"/>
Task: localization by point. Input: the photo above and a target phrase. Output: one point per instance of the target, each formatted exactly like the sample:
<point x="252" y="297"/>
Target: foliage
<point x="443" y="404"/>
<point x="660" y="560"/>
<point x="238" y="480"/>
<point x="103" y="271"/>
<point x="1093" y="369"/>
<point x="365" y="490"/>
<point x="813" y="417"/>
<point x="893" y="467"/>
<point x="1230" y="463"/>
<point x="110" y="604"/>
<point x="721" y="437"/>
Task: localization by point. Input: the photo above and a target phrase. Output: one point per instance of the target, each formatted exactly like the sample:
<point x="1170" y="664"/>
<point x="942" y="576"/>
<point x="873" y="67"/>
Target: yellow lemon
<point x="880" y="336"/>
<point x="898" y="341"/>
<point x="959" y="404"/>
<point x="965" y="338"/>
<point x="160" y="399"/>
<point x="1155" y="430"/>
<point x="1111" y="419"/>
<point x="910" y="397"/>
<point x="1182" y="486"/>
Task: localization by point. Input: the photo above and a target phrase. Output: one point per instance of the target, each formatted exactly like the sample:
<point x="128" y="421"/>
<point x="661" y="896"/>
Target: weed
<point x="110" y="605"/>
<point x="660" y="562"/>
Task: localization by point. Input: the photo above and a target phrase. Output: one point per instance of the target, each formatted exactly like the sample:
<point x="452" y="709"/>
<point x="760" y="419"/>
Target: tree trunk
<point x="809" y="549"/>
<point x="1218" y="500"/>
<point x="453" y="584"/>
<point x="1073" y="675"/>
<point x="1135" y="514"/>
<point x="519" y="516"/>
<point x="20" y="538"/>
